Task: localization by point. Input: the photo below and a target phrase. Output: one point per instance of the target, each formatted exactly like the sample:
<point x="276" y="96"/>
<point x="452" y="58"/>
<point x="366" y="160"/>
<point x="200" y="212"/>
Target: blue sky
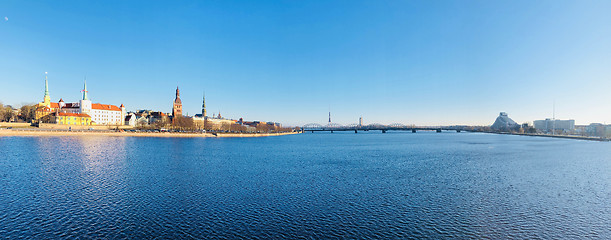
<point x="413" y="62"/>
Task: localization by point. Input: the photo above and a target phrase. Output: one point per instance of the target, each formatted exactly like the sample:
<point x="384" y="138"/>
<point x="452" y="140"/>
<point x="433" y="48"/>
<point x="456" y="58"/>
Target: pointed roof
<point x="122" y="105"/>
<point x="85" y="90"/>
<point x="177" y="100"/>
<point x="61" y="100"/>
<point x="46" y="85"/>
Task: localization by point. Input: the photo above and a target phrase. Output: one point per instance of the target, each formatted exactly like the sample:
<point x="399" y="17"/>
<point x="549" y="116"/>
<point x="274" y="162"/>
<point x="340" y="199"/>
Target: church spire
<point x="46" y="85"/>
<point x="85" y="90"/>
<point x="47" y="97"/>
<point x="204" y="105"/>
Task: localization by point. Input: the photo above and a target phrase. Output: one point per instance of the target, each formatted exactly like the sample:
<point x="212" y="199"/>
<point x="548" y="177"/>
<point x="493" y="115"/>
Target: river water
<point x="314" y="185"/>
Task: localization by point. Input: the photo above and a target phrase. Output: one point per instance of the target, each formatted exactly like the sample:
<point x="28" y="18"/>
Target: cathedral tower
<point x="177" y="108"/>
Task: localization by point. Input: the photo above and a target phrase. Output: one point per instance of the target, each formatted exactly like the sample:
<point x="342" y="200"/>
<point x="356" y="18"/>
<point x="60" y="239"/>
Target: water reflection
<point x="382" y="186"/>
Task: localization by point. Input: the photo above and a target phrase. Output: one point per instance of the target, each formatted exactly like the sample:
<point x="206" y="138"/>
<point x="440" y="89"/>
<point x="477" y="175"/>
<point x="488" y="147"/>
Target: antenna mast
<point x="554" y="118"/>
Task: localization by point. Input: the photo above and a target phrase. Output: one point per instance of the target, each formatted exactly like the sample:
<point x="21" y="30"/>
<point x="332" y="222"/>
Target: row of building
<point x="217" y="122"/>
<point x="83" y="112"/>
<point x="555" y="126"/>
<point x="86" y="113"/>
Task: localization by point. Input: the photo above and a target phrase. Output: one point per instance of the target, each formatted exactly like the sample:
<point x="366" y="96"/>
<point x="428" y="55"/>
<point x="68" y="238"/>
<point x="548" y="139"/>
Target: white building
<point x="130" y="119"/>
<point x="101" y="114"/>
<point x="548" y="125"/>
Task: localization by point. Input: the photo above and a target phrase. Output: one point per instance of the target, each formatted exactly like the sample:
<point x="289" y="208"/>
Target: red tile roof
<point x="105" y="107"/>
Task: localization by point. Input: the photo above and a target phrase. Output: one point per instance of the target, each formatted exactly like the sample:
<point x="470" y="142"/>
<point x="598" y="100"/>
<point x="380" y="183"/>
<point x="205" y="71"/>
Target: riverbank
<point x="555" y="136"/>
<point x="23" y="132"/>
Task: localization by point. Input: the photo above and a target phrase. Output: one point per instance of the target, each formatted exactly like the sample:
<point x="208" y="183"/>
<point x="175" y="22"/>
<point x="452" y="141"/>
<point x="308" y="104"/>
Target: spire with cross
<point x="85" y="90"/>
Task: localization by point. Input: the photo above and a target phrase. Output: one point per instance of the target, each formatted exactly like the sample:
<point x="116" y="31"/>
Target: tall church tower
<point x="177" y="108"/>
<point x="47" y="98"/>
<point x="204" y="106"/>
<point x="44" y="108"/>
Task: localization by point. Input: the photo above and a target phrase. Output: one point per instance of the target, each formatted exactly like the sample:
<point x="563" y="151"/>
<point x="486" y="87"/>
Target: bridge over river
<point x="331" y="127"/>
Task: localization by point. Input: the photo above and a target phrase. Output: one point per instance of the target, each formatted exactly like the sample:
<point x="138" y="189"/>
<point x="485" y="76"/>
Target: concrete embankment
<point x="24" y="132"/>
<point x="556" y="136"/>
<point x="15" y="125"/>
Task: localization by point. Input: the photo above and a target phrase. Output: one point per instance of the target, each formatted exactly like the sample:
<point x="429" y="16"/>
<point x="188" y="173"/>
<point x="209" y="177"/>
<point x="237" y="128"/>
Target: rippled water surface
<point x="321" y="185"/>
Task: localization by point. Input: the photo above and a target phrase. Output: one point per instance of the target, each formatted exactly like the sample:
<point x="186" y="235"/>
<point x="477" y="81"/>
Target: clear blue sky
<point x="413" y="62"/>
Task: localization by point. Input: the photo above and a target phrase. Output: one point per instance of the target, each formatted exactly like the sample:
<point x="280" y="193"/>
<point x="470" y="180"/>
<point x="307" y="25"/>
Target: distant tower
<point x="361" y="121"/>
<point x="329" y="117"/>
<point x="85" y="90"/>
<point x="177" y="108"/>
<point x="123" y="113"/>
<point x="204" y="106"/>
<point x="47" y="97"/>
<point x="85" y="104"/>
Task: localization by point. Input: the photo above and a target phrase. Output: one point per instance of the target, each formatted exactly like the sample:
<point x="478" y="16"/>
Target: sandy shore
<point x="6" y="132"/>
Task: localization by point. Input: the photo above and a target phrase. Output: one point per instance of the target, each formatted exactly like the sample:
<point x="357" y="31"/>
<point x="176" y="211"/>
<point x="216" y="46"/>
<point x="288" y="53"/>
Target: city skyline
<point x="415" y="63"/>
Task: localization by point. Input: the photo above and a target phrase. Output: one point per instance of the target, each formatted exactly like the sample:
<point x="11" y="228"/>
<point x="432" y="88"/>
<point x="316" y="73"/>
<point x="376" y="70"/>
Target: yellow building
<point x="71" y="118"/>
<point x="94" y="113"/>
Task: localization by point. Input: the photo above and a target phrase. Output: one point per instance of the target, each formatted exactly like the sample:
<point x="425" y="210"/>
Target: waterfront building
<point x="218" y="122"/>
<point x="265" y="125"/>
<point x="99" y="114"/>
<point x="598" y="130"/>
<point x="504" y="123"/>
<point x="549" y="125"/>
<point x="142" y="121"/>
<point x="154" y="117"/>
<point x="65" y="118"/>
<point x="130" y="119"/>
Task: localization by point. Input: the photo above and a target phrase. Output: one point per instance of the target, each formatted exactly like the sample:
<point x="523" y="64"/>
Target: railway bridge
<point x="332" y="127"/>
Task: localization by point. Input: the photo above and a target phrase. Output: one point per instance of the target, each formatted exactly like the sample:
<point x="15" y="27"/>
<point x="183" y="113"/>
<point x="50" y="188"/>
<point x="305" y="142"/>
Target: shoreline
<point x="554" y="136"/>
<point x="50" y="133"/>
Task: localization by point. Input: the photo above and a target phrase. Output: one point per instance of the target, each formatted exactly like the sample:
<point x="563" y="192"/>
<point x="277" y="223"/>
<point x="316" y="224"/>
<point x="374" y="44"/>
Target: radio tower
<point x="329" y="116"/>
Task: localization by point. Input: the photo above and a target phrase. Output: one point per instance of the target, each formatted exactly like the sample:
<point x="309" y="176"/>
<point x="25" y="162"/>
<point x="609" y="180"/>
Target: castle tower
<point x="85" y="90"/>
<point x="177" y="108"/>
<point x="85" y="103"/>
<point x="123" y="114"/>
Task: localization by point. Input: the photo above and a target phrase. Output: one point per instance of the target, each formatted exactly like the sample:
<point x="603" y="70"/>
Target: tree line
<point x="182" y="123"/>
<point x="23" y="114"/>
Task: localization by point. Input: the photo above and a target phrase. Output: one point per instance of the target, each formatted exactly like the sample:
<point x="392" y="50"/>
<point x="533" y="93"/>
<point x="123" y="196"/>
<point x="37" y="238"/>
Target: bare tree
<point x="183" y="123"/>
<point x="161" y="123"/>
<point x="7" y="113"/>
<point x="27" y="113"/>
